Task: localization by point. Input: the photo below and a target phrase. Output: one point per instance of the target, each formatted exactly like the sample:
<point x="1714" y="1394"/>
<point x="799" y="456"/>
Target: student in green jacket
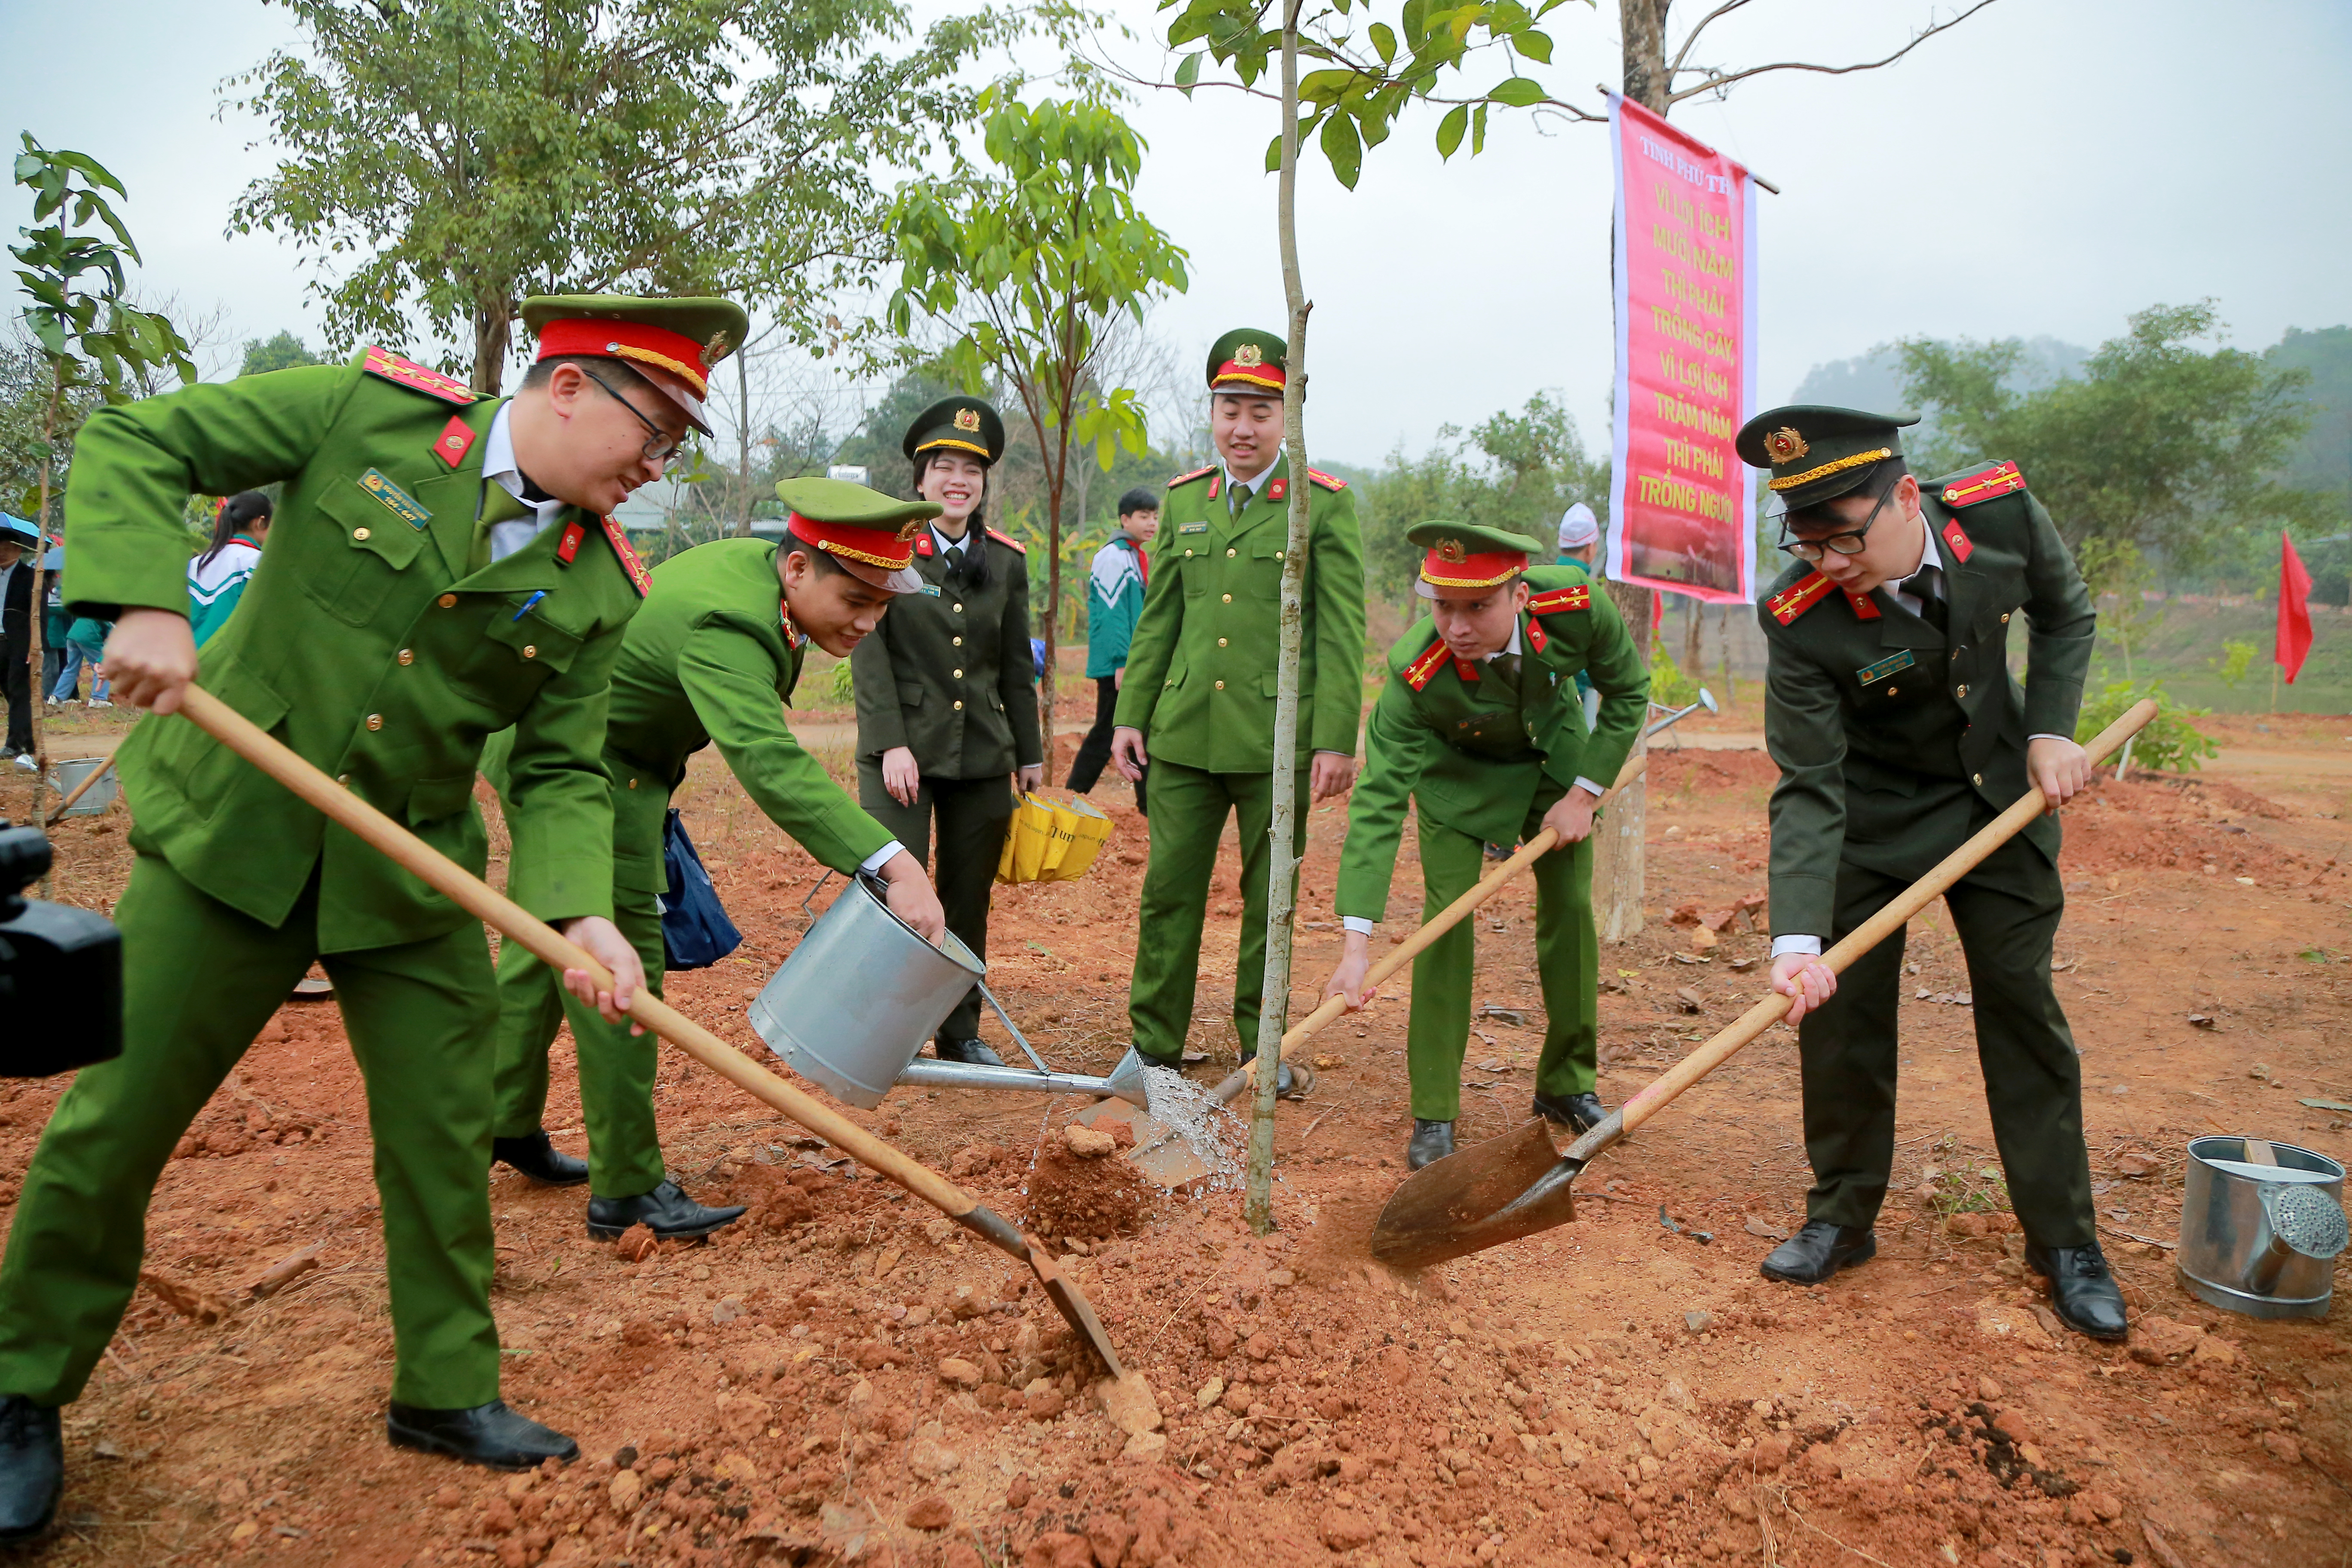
<point x="712" y="657"/>
<point x="413" y="600"/>
<point x="1115" y="586"/>
<point x="1480" y="726"/>
<point x="1198" y="702"/>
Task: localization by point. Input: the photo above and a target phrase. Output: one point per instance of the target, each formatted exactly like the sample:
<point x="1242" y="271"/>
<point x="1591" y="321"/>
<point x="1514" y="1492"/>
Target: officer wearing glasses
<point x="1899" y="732"/>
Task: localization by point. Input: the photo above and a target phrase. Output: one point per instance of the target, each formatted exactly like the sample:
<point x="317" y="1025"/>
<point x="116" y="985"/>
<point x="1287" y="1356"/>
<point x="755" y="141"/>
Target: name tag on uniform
<point x="1885" y="666"/>
<point x="932" y="589"/>
<point x="406" y="507"/>
<point x="1192" y="528"/>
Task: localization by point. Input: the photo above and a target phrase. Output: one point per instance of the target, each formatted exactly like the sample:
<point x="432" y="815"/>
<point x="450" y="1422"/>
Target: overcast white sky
<point x="2047" y="168"/>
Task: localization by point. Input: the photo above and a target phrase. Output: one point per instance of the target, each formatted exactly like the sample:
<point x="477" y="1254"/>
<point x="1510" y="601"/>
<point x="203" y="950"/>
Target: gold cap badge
<point x="1785" y="445"/>
<point x="967" y="419"/>
<point x="1452" y="552"/>
<point x="908" y="531"/>
<point x="1249" y="354"/>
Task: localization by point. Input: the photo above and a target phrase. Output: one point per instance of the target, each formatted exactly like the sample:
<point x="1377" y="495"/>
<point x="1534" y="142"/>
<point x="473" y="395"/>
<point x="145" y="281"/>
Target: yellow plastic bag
<point x="1028" y="838"/>
<point x="1090" y="831"/>
<point x="1052" y="840"/>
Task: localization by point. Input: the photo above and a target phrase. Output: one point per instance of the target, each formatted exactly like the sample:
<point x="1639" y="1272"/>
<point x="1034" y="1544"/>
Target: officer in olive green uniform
<point x="1201" y="681"/>
<point x="713" y="657"/>
<point x="947" y="692"/>
<point x="1485" y="734"/>
<point x="391" y="628"/>
<point x="1899" y="732"/>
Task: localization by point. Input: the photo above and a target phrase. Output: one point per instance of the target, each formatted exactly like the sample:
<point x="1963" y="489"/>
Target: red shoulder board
<point x="1560" y="601"/>
<point x="1417" y="673"/>
<point x="415" y="376"/>
<point x="567" y="544"/>
<point x="1536" y="637"/>
<point x="1465" y="670"/>
<point x="1276" y="488"/>
<point x="640" y="578"/>
<point x="1007" y="540"/>
<point x="454" y="442"/>
<point x="2001" y="479"/>
<point x="1865" y="608"/>
<point x="1798" y="597"/>
<point x="1329" y="481"/>
<point x="1188" y="478"/>
<point x="1956" y="540"/>
<point x="923" y="542"/>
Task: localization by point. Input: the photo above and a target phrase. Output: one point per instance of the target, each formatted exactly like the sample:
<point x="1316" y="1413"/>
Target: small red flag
<point x="2294" y="610"/>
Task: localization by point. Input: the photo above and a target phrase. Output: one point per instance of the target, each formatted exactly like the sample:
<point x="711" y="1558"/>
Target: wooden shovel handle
<point x="1871" y="931"/>
<point x="444" y="876"/>
<point x="1445" y="920"/>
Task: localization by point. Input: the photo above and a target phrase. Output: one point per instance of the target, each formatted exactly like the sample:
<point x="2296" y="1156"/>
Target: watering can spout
<point x="1126" y="1081"/>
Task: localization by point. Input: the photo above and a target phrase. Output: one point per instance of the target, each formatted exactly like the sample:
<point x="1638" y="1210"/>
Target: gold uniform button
<point x="408" y="655"/>
<point x="1977" y="779"/>
<point x="375" y="720"/>
<point x="1231" y="552"/>
<point x="958" y="705"/>
<point x="1221" y="642"/>
<point x="2004" y="617"/>
<point x="1890" y="692"/>
<point x="448" y="601"/>
<point x="1220" y="686"/>
<point x="343" y="779"/>
<point x="1188" y="555"/>
<point x="957" y="608"/>
<point x="958" y="641"/>
<point x="1278" y="555"/>
<point x="1963" y="691"/>
<point x="633" y="783"/>
<point x="359" y="533"/>
<point x="958" y="674"/>
<point x="1229" y="598"/>
<point x="530" y="650"/>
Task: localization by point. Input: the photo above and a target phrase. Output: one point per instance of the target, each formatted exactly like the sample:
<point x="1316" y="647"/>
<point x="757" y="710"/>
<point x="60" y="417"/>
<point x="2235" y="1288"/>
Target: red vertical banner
<point x="1682" y="512"/>
<point x="2294" y="611"/>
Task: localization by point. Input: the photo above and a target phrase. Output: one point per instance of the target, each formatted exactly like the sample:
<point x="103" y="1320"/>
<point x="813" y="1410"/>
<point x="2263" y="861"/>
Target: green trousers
<point x="1566" y="954"/>
<point x="1189" y="807"/>
<point x="2006" y="914"/>
<point x="199" y="982"/>
<point x="616" y="1068"/>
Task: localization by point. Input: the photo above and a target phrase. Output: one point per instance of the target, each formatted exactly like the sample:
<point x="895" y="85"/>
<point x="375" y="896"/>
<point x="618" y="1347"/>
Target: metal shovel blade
<point x="1477" y="1197"/>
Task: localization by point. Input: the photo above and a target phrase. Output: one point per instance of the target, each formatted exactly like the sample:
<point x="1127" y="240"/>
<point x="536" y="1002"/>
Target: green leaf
<point x="1188" y="71"/>
<point x="1519" y="92"/>
<point x="1273" y="156"/>
<point x="1344" y="148"/>
<point x="1450" y="129"/>
<point x="1384" y="39"/>
<point x="1478" y="131"/>
<point x="1536" y="45"/>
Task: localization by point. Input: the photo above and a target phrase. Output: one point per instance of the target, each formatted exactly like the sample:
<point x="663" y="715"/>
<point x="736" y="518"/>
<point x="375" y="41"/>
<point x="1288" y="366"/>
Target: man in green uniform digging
<point x="414" y="601"/>
<point x="713" y="657"/>
<point x="1198" y="702"/>
<point x="1900" y="733"/>
<point x="1480" y="726"/>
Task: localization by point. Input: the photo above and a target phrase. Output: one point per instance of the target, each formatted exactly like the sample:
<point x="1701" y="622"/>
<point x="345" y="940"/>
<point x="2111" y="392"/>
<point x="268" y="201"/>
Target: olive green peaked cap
<point x="1817" y="453"/>
<point x="869" y="534"/>
<point x="1248" y="362"/>
<point x="1468" y="555"/>
<point x="959" y="425"/>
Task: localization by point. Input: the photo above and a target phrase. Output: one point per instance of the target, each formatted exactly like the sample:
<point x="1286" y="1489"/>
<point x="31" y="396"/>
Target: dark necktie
<point x="1926" y="585"/>
<point x="955" y="560"/>
<point x="1235" y="499"/>
<point x="1506" y="668"/>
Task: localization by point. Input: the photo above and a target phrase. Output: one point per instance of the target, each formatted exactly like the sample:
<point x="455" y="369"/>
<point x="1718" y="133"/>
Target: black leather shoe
<point x="2082" y="1292"/>
<point x="968" y="1051"/>
<point x="665" y="1210"/>
<point x="1581" y="1111"/>
<point x="32" y="1467"/>
<point x="488" y="1434"/>
<point x="540" y="1159"/>
<point x="1285" y="1083"/>
<point x="1431" y="1140"/>
<point x="1820" y="1250"/>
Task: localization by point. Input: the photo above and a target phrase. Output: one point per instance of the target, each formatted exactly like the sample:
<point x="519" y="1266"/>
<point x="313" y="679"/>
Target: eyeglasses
<point x="663" y="447"/>
<point x="1849" y="542"/>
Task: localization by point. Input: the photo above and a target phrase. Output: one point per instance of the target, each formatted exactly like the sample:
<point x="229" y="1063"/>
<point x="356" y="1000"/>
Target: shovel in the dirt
<point x="1517" y="1185"/>
<point x="445" y="877"/>
<point x="1165" y="1156"/>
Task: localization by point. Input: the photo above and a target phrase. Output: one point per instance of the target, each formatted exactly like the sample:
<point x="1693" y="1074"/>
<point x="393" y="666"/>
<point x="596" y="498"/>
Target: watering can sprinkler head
<point x="1707" y="701"/>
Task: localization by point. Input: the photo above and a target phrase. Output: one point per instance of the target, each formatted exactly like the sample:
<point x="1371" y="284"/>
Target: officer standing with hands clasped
<point x="1199" y="698"/>
<point x="712" y="657"/>
<point x="1900" y="733"/>
<point x="1479" y="724"/>
<point x="413" y="601"/>
<point x="947" y="710"/>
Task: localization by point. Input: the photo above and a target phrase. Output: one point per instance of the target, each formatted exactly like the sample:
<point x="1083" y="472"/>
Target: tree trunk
<point x="1059" y="479"/>
<point x="1692" y="668"/>
<point x="493" y="334"/>
<point x="1273" y="1014"/>
<point x="743" y="437"/>
<point x="1617" y="854"/>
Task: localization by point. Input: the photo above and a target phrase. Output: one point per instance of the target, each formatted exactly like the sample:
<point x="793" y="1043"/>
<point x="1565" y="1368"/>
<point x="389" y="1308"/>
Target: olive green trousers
<point x="200" y="979"/>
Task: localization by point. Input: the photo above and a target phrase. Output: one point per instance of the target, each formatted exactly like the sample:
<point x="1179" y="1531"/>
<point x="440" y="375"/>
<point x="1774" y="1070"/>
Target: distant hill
<point x="2323" y="461"/>
<point x="1874" y="381"/>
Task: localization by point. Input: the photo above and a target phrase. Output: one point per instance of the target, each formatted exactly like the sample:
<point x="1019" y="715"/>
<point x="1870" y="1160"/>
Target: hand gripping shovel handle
<point x="1445" y="920"/>
<point x="1860" y="939"/>
<point x="445" y="877"/>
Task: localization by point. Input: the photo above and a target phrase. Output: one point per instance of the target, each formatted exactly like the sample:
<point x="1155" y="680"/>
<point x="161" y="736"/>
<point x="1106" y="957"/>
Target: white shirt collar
<point x="499" y="467"/>
<point x="947" y="543"/>
<point x="1251" y="480"/>
<point x="1928" y="554"/>
<point x="1511" y="646"/>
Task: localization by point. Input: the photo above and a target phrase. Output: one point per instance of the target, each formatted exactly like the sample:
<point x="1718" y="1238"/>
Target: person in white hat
<point x="1579" y="536"/>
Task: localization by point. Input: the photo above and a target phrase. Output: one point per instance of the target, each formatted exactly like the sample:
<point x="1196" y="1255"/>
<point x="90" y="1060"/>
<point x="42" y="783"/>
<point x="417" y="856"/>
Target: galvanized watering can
<point x="854" y="1005"/>
<point x="2261" y="1224"/>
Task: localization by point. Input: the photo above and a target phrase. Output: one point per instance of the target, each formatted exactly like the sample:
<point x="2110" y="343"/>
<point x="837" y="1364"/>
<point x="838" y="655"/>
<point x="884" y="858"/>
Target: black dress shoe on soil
<point x="1285" y="1084"/>
<point x="1431" y="1140"/>
<point x="32" y="1467"/>
<point x="1583" y="1111"/>
<point x="1820" y="1250"/>
<point x="665" y="1210"/>
<point x="968" y="1051"/>
<point x="488" y="1434"/>
<point x="540" y="1159"/>
<point x="2082" y="1292"/>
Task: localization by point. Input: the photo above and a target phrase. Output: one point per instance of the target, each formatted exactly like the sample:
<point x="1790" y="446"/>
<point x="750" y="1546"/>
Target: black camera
<point x="60" y="970"/>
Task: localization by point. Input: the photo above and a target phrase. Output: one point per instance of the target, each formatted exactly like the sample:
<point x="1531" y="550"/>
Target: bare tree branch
<point x="1716" y="82"/>
<point x="1683" y="53"/>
